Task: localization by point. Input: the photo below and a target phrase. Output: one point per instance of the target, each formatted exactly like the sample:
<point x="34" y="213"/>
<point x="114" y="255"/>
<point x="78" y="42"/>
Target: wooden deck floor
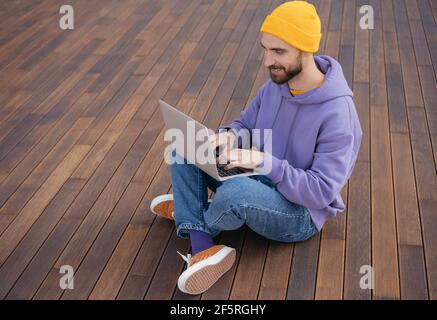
<point x="81" y="145"/>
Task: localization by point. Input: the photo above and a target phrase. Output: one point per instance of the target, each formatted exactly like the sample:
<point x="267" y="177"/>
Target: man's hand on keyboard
<point x="243" y="158"/>
<point x="223" y="140"/>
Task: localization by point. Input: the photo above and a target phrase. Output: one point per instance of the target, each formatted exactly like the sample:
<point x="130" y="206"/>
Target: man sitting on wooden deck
<point x="316" y="135"/>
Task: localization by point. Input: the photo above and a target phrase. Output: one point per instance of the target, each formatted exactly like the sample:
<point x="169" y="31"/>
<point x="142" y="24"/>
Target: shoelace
<point x="186" y="258"/>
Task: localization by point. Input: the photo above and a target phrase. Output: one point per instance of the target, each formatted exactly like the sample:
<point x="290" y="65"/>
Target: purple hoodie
<point x="315" y="139"/>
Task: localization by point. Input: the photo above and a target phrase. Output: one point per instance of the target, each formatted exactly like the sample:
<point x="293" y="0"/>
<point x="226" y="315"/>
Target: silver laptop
<point x="175" y="119"/>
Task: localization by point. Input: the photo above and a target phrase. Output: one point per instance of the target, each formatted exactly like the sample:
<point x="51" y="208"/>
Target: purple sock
<point x="200" y="241"/>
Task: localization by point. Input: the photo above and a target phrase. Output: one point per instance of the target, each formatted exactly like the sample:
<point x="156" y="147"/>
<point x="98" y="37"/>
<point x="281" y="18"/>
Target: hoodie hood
<point x="334" y="85"/>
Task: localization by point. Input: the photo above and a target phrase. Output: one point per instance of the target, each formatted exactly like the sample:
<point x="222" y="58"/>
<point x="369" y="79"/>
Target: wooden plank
<point x="37" y="269"/>
<point x="358" y="240"/>
<point x="20" y="10"/>
<point x="91" y="110"/>
<point x="145" y="264"/>
<point x="156" y="52"/>
<point x="38" y="22"/>
<point x="118" y="45"/>
<point x="103" y="98"/>
<point x="167" y="273"/>
<point x="111" y="32"/>
<point x="410" y="75"/>
<point x="40" y="173"/>
<point x="36" y="56"/>
<point x="384" y="246"/>
<point x="113" y="66"/>
<point x="384" y="249"/>
<point x="156" y="22"/>
<point x="51" y="89"/>
<point x="358" y="251"/>
<point x="324" y="11"/>
<point x="29" y="40"/>
<point x="428" y="85"/>
<point x="13" y="267"/>
<point x="7" y="164"/>
<point x="303" y="274"/>
<point x="276" y="271"/>
<point x="426" y="185"/>
<point x="358" y="231"/>
<point x="330" y="272"/>
<point x="413" y="284"/>
<point x="10" y="105"/>
<point x="117" y="102"/>
<point x="82" y="13"/>
<point x="333" y="29"/>
<point x="53" y="59"/>
<point x="391" y="52"/>
<point x="113" y="132"/>
<point x="418" y="34"/>
<point x="123" y="256"/>
<point x="430" y="28"/>
<point x="250" y="266"/>
<point x="361" y="58"/>
<point x="400" y="94"/>
<point x="49" y="252"/>
<point x="36" y="205"/>
<point x="93" y="222"/>
<point x="31" y="242"/>
<point x="59" y="113"/>
<point x="139" y="278"/>
<point x="106" y="203"/>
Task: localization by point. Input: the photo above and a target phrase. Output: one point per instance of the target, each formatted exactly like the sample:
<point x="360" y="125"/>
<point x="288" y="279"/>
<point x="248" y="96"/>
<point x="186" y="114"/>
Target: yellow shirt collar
<point x="296" y="92"/>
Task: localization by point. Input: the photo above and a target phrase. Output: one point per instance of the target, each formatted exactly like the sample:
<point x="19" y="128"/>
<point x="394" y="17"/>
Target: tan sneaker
<point x="163" y="206"/>
<point x="205" y="268"/>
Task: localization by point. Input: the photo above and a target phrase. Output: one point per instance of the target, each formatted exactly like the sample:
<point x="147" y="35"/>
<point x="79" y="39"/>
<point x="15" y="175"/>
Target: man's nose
<point x="268" y="61"/>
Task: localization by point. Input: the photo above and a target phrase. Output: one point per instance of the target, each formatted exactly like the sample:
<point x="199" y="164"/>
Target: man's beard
<point x="286" y="75"/>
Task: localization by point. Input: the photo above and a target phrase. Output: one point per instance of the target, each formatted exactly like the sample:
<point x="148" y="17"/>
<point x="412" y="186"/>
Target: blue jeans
<point x="253" y="201"/>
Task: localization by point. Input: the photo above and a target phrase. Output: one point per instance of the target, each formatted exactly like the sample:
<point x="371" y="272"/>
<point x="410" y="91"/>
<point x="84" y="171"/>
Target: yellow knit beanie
<point x="297" y="23"/>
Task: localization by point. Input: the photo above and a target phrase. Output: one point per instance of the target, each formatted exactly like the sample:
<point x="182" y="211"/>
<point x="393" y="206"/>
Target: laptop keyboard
<point x="226" y="173"/>
<point x="221" y="167"/>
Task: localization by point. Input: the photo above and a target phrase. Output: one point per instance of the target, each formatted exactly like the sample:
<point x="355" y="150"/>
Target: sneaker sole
<point x="205" y="273"/>
<point x="161" y="200"/>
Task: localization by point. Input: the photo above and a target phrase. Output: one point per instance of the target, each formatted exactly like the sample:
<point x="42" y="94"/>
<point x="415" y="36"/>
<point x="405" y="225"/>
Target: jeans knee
<point x="211" y="215"/>
<point x="223" y="218"/>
